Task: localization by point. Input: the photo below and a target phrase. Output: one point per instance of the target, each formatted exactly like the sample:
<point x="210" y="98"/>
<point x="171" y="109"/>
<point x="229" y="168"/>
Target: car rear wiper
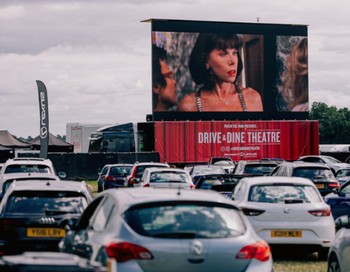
<point x="293" y="201"/>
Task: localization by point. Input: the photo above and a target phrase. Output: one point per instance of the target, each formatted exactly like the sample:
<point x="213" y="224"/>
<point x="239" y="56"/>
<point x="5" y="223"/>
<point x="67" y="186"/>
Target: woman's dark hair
<point x="204" y="45"/>
<point x="158" y="79"/>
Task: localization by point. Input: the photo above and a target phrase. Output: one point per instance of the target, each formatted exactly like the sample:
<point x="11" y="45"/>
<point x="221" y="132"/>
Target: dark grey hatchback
<point x="33" y="215"/>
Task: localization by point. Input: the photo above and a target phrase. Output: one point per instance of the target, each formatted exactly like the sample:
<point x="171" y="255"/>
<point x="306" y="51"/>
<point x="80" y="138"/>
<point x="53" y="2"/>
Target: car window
<point x="282" y="193"/>
<point x="162" y="177"/>
<point x="104" y="170"/>
<point x="185" y="220"/>
<point x="239" y="190"/>
<point x="346" y="189"/>
<point x="120" y="170"/>
<point x="343" y="173"/>
<point x="313" y="173"/>
<point x="16" y="168"/>
<point x="259" y="169"/>
<point x="102" y="215"/>
<point x="46" y="202"/>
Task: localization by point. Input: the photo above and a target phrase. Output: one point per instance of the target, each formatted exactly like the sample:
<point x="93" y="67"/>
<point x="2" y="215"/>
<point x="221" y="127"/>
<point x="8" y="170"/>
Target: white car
<point x="165" y="178"/>
<point x="22" y="168"/>
<point x="287" y="212"/>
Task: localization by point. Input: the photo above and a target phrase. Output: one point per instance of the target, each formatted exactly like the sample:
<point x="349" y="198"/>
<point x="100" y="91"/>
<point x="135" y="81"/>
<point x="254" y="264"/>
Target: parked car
<point x="222" y="183"/>
<point x="320" y="174"/>
<point x="343" y="175"/>
<point x="339" y="200"/>
<point x="205" y="169"/>
<point x="338" y="256"/>
<point x="157" y="229"/>
<point x="115" y="176"/>
<point x="33" y="215"/>
<point x="47" y="262"/>
<point x="101" y="176"/>
<point x="228" y="166"/>
<point x="165" y="177"/>
<point x="26" y="166"/>
<point x="287" y="212"/>
<point x="29" y="177"/>
<point x="137" y="171"/>
<point x="261" y="167"/>
<point x="333" y="163"/>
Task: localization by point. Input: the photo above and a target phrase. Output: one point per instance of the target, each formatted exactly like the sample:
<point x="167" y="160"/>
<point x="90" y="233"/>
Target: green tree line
<point x="334" y="124"/>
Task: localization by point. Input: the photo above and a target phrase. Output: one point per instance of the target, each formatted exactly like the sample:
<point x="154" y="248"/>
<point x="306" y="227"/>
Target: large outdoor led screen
<point x="229" y="71"/>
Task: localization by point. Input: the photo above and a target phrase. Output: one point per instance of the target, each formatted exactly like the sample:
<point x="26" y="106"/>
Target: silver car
<point x="338" y="255"/>
<point x="164" y="177"/>
<point x="158" y="229"/>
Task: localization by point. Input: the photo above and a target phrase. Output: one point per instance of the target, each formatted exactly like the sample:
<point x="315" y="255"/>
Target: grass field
<point x="282" y="264"/>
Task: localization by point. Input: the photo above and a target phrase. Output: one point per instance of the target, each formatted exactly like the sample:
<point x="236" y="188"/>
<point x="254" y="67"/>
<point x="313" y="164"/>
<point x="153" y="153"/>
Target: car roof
<point x="276" y="179"/>
<point x="301" y="164"/>
<point x="150" y="163"/>
<point x="165" y="169"/>
<point x="28" y="161"/>
<point x="30" y="175"/>
<point x="133" y="196"/>
<point x="44" y="185"/>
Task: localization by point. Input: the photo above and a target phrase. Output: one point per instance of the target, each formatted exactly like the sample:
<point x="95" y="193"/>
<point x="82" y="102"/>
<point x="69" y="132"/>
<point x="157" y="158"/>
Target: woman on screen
<point x="163" y="82"/>
<point x="215" y="65"/>
<point x="295" y="84"/>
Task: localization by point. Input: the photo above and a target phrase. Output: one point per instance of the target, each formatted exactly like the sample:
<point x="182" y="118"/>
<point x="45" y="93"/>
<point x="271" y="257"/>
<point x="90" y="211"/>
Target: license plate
<point x="46" y="232"/>
<point x="320" y="186"/>
<point x="287" y="233"/>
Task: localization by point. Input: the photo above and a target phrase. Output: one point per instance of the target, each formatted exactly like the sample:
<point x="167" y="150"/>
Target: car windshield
<point x="185" y="221"/>
<point x="120" y="170"/>
<point x="343" y="173"/>
<point x="259" y="169"/>
<point x="30" y="168"/>
<point x="45" y="202"/>
<point x="169" y="176"/>
<point x="207" y="170"/>
<point x="313" y="173"/>
<point x="280" y="193"/>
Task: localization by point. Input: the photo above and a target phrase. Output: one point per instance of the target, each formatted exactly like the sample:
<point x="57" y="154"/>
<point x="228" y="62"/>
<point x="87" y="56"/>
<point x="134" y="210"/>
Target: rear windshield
<point x="284" y="193"/>
<point x="185" y="221"/>
<point x="165" y="177"/>
<point x="120" y="170"/>
<point x="46" y="202"/>
<point x="259" y="169"/>
<point x="313" y="173"/>
<point x="140" y="169"/>
<point x="29" y="168"/>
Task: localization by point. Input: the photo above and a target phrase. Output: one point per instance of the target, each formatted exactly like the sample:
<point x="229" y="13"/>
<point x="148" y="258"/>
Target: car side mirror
<point x="342" y="222"/>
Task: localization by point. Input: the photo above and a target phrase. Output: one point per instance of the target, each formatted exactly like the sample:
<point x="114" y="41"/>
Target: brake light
<point x="124" y="252"/>
<point x="110" y="178"/>
<point x="334" y="185"/>
<point x="320" y="213"/>
<point x="252" y="212"/>
<point x="259" y="250"/>
<point x="147" y="185"/>
<point x="8" y="224"/>
<point x="192" y="186"/>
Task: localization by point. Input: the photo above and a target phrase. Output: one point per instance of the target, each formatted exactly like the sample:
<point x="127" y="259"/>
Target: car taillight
<point x="110" y="178"/>
<point x="252" y="212"/>
<point x="8" y="224"/>
<point x="259" y="250"/>
<point x="147" y="185"/>
<point x="192" y="186"/>
<point x="124" y="251"/>
<point x="320" y="213"/>
<point x="333" y="185"/>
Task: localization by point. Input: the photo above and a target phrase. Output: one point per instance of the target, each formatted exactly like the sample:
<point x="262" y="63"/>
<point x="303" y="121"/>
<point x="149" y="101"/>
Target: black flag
<point x="44" y="119"/>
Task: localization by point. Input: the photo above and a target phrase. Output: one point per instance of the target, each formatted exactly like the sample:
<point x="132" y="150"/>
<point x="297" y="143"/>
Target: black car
<point x="339" y="200"/>
<point x="222" y="183"/>
<point x="115" y="176"/>
<point x="34" y="215"/>
<point x="320" y="174"/>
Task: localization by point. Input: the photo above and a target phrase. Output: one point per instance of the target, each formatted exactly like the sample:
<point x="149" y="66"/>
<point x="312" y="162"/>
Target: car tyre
<point x="333" y="264"/>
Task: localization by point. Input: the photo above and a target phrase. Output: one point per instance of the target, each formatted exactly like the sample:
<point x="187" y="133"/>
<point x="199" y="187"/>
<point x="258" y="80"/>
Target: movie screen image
<point x="229" y="72"/>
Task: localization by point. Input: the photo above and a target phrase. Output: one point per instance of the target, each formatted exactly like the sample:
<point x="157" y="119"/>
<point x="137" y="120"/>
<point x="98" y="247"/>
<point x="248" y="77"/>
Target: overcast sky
<point x="95" y="56"/>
